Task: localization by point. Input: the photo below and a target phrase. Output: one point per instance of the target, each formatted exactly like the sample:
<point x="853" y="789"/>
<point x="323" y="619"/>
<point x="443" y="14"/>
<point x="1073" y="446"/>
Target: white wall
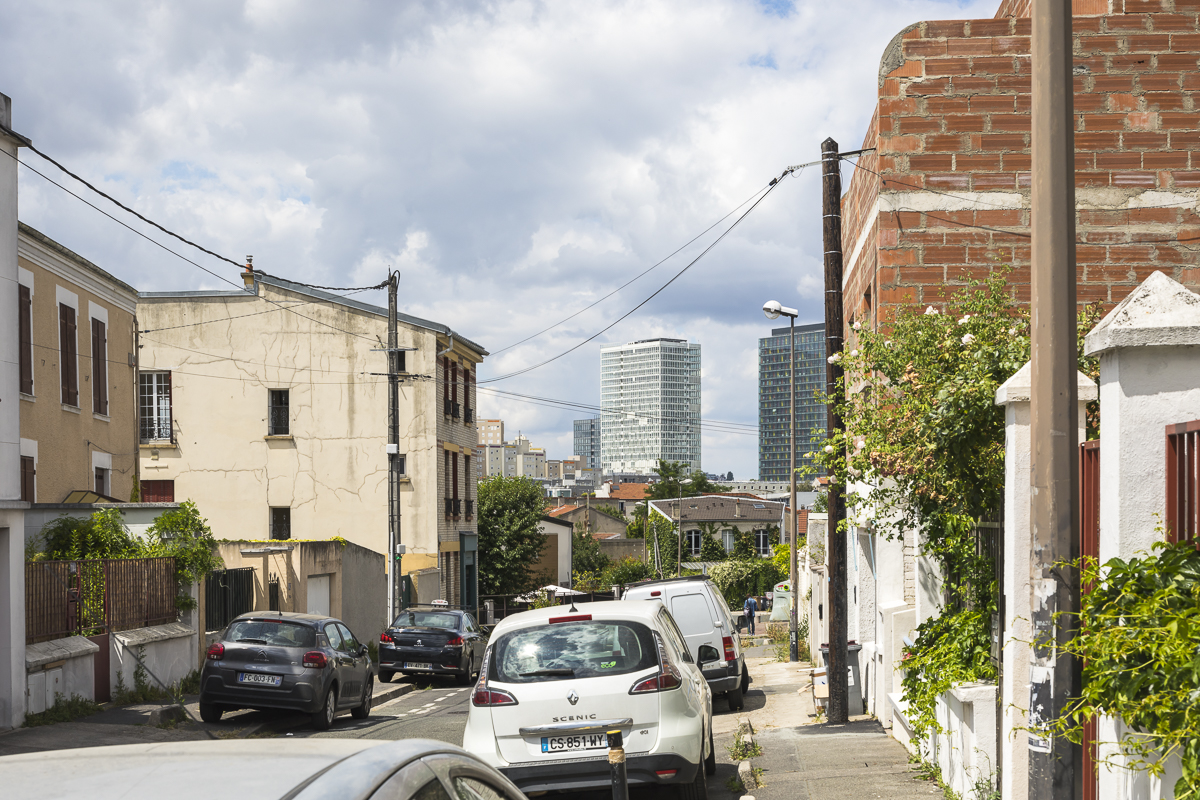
<point x="171" y="652"/>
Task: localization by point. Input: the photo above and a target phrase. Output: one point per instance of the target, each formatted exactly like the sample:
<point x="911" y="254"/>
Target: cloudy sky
<point x="514" y="160"/>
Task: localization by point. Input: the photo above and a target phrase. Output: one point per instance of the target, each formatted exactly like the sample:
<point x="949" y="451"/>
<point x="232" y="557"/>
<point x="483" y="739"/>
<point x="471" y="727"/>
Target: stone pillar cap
<point x="1161" y="312"/>
<point x="1018" y="388"/>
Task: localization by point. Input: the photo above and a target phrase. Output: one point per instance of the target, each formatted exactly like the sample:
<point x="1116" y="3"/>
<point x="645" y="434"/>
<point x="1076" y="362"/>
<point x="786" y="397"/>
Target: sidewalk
<point x="805" y="760"/>
<point x="138" y="724"/>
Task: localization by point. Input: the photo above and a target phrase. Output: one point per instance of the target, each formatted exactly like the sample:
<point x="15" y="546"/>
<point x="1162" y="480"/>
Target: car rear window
<point x="426" y="619"/>
<point x="568" y="650"/>
<point x="280" y="634"/>
<point x="692" y="613"/>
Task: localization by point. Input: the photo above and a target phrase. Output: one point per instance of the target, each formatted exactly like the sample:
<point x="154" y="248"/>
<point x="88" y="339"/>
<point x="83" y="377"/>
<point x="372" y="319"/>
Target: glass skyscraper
<point x="650" y="405"/>
<point x="773" y="408"/>
<point x="587" y="441"/>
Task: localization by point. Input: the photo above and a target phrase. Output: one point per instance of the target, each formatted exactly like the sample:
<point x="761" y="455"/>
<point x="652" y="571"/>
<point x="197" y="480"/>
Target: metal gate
<point x="227" y="593"/>
<point x="273" y="594"/>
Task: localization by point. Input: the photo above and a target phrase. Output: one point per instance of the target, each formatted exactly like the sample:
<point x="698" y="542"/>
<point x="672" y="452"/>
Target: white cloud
<point x="515" y="160"/>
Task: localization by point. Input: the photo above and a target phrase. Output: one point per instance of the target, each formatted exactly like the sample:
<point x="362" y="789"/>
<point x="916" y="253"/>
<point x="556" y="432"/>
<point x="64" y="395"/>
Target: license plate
<point x="265" y="680"/>
<point x="559" y="744"/>
<point x="411" y="665"/>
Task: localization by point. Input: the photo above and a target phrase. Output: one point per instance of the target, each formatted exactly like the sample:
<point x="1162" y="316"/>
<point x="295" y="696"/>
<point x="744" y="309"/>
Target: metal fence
<point x="1183" y="482"/>
<point x="85" y="598"/>
<point x="228" y="593"/>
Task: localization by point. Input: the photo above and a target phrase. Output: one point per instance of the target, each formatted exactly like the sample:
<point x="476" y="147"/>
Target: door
<point x="360" y="663"/>
<point x="343" y="666"/>
<point x="318" y="595"/>
<point x="697" y="620"/>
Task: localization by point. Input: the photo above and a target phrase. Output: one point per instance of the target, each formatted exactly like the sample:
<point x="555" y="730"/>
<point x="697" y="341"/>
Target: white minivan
<point x="555" y="680"/>
<point x="704" y="617"/>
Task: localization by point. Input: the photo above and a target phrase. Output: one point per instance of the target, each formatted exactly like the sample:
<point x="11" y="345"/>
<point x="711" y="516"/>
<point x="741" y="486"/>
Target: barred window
<point x="279" y="416"/>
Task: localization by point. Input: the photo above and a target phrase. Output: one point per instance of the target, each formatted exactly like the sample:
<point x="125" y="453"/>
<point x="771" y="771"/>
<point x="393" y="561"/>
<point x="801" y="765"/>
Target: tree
<point x="586" y="555"/>
<point x="509" y="540"/>
<point x="184" y="535"/>
<point x="671" y="474"/>
<point x="103" y="535"/>
<point x="626" y="571"/>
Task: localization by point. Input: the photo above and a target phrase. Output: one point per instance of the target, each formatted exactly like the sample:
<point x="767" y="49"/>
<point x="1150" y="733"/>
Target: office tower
<point x="773" y="408"/>
<point x="587" y="441"/>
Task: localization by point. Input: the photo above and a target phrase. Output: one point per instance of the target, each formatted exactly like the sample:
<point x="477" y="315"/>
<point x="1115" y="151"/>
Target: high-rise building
<point x="491" y="431"/>
<point x="773" y="410"/>
<point x="650" y="405"/>
<point x="587" y="441"/>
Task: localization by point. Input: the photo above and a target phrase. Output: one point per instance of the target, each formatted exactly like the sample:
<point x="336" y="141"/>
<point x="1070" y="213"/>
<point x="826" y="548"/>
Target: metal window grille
<point x="281" y="523"/>
<point x="273" y="594"/>
<point x="1183" y="482"/>
<point x="279" y="416"/>
<point x="154" y="407"/>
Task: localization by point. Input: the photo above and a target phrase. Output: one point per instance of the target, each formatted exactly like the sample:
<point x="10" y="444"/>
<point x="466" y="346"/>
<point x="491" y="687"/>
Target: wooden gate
<point x="1089" y="546"/>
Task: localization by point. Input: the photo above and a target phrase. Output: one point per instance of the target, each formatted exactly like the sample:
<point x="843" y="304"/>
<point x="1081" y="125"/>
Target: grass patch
<point x="740" y="750"/>
<point x="63" y="710"/>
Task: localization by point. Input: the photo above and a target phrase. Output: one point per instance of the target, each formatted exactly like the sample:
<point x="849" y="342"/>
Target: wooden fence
<point x="85" y="598"/>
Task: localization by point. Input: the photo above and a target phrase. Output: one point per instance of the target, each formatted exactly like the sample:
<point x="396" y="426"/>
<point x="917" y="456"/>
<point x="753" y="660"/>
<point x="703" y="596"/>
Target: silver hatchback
<point x="297" y="662"/>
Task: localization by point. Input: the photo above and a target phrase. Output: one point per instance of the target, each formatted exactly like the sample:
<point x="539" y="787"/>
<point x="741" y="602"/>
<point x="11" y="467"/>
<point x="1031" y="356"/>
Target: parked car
<point x="266" y="769"/>
<point x="432" y="641"/>
<point x="555" y="680"/>
<point x="705" y="619"/>
<point x="279" y="659"/>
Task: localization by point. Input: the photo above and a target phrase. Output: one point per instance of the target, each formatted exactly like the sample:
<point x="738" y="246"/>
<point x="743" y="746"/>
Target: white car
<point x="555" y="680"/>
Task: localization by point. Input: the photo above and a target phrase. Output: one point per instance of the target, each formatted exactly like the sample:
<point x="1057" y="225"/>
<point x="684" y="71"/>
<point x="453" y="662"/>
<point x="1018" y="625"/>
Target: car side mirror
<point x="362" y="650"/>
<point x="708" y="654"/>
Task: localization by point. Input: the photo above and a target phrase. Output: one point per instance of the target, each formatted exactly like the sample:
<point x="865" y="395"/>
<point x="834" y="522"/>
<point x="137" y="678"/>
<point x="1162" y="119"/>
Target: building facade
<point x="515" y="459"/>
<point x="650" y="405"/>
<point x="491" y="431"/>
<point x="721" y="518"/>
<point x="774" y="412"/>
<point x="270" y="420"/>
<point x="587" y="441"/>
<point x="78" y="381"/>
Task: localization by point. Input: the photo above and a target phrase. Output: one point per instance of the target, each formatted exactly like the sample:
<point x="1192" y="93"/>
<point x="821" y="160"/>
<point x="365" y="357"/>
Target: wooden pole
<point x="831" y="229"/>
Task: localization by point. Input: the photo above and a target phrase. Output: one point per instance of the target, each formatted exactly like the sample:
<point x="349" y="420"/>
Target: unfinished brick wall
<point x="952" y="129"/>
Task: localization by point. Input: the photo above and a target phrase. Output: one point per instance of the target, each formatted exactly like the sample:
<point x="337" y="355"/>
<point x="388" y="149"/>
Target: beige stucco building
<point x="76" y="331"/>
<point x="268" y="407"/>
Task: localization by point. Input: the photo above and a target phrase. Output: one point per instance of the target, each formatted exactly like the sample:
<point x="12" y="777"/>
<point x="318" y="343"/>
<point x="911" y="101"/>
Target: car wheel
<point x="710" y="763"/>
<point x="211" y="712"/>
<point x="363" y="711"/>
<point x="465" y="678"/>
<point x="697" y="789"/>
<point x="736" y="700"/>
<point x="386" y="675"/>
<point x="745" y="679"/>
<point x="322" y="718"/>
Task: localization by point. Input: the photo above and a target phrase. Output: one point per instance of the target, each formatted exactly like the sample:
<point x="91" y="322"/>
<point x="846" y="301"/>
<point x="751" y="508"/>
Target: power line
<point x="631" y="280"/>
<point x="243" y="316"/>
<point x="381" y="285"/>
<point x="657" y="291"/>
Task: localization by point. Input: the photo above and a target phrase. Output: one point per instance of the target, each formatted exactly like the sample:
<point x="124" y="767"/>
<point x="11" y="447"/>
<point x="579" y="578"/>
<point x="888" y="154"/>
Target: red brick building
<point x="946" y="193"/>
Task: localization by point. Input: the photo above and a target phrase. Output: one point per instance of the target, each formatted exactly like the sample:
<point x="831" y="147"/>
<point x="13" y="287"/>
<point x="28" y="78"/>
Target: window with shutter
<point x="28" y="479"/>
<point x="68" y="355"/>
<point x="158" y="491"/>
<point x="99" y="368"/>
<point x="25" y="337"/>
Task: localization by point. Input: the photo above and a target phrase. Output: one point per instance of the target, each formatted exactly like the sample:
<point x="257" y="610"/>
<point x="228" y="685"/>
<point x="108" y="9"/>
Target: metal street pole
<point x="831" y="229"/>
<point x="1055" y="764"/>
<point x="793" y="574"/>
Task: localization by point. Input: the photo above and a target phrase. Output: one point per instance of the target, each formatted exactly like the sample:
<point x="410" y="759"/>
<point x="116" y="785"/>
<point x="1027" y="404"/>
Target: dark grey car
<point x="432" y="641"/>
<point x="298" y="662"/>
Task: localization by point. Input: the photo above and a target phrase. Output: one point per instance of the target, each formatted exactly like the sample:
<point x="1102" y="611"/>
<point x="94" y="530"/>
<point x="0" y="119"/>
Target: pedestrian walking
<point x="750" y="608"/>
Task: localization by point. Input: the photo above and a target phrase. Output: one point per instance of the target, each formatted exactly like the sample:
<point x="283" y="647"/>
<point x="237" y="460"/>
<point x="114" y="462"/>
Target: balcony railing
<point x="156" y="430"/>
<point x="470" y="508"/>
<point x="469" y="415"/>
<point x="447" y="407"/>
<point x="449" y="507"/>
<point x="457" y="506"/>
<point x="455" y="410"/>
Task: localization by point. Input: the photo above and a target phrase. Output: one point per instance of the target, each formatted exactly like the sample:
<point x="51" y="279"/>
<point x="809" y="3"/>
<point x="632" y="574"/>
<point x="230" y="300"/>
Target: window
<point x="158" y="491"/>
<point x="25" y="337"/>
<point x="402" y="464"/>
<point x="591" y="648"/>
<point x="693" y="542"/>
<point x="475" y="789"/>
<point x="278" y="417"/>
<point x="281" y="523"/>
<point x="99" y="368"/>
<point x="334" y="636"/>
<point x="68" y="368"/>
<point x="154" y="406"/>
<point x="349" y="643"/>
<point x="28" y="479"/>
<point x="101" y="481"/>
<point x="762" y="542"/>
<point x="729" y="539"/>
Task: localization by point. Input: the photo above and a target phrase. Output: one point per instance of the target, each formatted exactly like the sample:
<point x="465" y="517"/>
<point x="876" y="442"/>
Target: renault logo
<point x="572" y="698"/>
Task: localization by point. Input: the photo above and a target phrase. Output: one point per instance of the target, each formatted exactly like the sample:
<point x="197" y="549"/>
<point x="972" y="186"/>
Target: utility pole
<point x="831" y="230"/>
<point x="393" y="453"/>
<point x="1055" y="764"/>
<point x="793" y="556"/>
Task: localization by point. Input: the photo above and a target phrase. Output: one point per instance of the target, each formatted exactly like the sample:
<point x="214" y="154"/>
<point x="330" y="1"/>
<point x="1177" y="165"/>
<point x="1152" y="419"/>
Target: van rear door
<point x="698" y="621"/>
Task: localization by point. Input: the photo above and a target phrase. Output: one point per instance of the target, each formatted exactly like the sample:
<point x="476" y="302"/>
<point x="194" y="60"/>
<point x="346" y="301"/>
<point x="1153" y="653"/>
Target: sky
<point x="514" y="161"/>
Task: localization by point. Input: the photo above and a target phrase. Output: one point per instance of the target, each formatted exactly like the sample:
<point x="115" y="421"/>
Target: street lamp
<point x="679" y="530"/>
<point x="774" y="310"/>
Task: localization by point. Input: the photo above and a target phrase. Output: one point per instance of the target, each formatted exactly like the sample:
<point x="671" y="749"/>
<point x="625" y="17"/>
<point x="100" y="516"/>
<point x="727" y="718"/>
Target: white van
<point x="704" y="617"/>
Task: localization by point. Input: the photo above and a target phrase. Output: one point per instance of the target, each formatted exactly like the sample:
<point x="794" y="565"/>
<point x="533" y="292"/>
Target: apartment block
<point x="774" y="409"/>
<point x="587" y="441"/>
<point x="491" y="431"/>
<point x="650" y="405"/>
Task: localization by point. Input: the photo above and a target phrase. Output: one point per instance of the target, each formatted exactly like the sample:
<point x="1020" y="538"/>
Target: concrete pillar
<point x="1014" y="395"/>
<point x="12" y="510"/>
<point x="1149" y="349"/>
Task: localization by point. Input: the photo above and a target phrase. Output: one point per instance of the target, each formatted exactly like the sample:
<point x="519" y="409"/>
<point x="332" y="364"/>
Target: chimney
<point x="736" y="507"/>
<point x="248" y="275"/>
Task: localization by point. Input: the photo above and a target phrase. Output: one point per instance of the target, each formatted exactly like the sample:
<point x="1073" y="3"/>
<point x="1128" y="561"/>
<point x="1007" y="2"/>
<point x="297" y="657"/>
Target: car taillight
<point x="454" y="641"/>
<point x="665" y="773"/>
<point x="668" y="676"/>
<point x="484" y="695"/>
<point x="315" y="659"/>
<point x="730" y="653"/>
<point x="383" y="637"/>
<point x="216" y="651"/>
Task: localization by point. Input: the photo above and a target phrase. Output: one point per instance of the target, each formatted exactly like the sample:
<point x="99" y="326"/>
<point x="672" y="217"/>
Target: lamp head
<point x="772" y="309"/>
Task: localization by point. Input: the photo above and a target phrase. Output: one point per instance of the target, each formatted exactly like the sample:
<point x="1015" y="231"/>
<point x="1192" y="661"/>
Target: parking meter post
<point x="616" y="764"/>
